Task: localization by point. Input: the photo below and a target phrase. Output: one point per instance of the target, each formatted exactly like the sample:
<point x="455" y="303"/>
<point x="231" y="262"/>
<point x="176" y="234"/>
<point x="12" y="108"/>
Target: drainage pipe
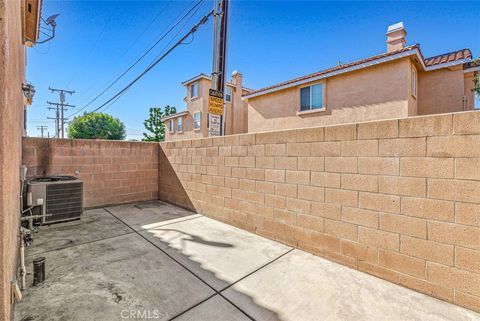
<point x="23" y="269"/>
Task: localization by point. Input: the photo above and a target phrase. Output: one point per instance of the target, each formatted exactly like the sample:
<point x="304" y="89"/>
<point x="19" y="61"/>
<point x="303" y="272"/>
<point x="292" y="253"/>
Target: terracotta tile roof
<point x="453" y="56"/>
<point x="448" y="57"/>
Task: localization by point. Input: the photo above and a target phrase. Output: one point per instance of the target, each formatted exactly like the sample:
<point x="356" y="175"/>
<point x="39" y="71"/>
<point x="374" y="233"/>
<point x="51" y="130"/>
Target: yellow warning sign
<point x="215" y="102"/>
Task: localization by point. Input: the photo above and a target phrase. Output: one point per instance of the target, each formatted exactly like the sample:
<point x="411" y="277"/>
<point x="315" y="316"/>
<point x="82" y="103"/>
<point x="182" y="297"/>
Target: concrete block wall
<point x="398" y="199"/>
<point x="113" y="172"/>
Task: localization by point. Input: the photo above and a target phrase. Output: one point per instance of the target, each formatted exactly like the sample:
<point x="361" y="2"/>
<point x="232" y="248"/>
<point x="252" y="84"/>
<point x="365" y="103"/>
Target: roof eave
<point x="182" y="113"/>
<point x="200" y="76"/>
<point x="471" y="69"/>
<point x="414" y="51"/>
<point x="340" y="71"/>
<point x="449" y="64"/>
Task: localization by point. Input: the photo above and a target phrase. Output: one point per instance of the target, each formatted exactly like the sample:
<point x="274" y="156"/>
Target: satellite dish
<point x="51" y="20"/>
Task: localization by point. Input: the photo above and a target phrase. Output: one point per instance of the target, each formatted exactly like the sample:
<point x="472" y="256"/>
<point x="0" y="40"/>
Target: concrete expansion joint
<point x="75" y="245"/>
<point x="216" y="292"/>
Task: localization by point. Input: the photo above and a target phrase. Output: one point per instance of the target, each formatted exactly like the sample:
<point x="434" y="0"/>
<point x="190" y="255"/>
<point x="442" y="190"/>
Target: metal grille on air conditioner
<point x="59" y="197"/>
<point x="64" y="202"/>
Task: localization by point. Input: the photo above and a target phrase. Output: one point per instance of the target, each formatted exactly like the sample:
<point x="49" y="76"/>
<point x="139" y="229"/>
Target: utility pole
<point x="220" y="53"/>
<point x="60" y="109"/>
<point x="42" y="128"/>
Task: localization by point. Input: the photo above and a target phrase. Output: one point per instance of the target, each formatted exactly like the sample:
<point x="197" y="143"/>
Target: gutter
<point x="448" y="64"/>
<point x="471" y="69"/>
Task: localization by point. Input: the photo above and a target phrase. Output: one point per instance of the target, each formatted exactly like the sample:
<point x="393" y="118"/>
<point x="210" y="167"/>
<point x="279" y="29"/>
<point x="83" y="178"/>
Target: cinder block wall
<point x="399" y="199"/>
<point x="113" y="171"/>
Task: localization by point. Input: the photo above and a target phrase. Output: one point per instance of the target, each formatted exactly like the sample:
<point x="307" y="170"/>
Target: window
<point x="311" y="97"/>
<point x="179" y="124"/>
<point x="414" y="81"/>
<point x="228" y="94"/>
<point x="194" y="90"/>
<point x="170" y="126"/>
<point x="197" y="120"/>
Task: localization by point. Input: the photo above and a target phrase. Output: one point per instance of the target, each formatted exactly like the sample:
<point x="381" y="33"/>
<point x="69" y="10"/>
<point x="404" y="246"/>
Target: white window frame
<point x="414" y="81"/>
<point x="179" y="130"/>
<point x="191" y="89"/>
<point x="171" y="125"/>
<point x="315" y="110"/>
<point x="227" y="88"/>
<point x="199" y="120"/>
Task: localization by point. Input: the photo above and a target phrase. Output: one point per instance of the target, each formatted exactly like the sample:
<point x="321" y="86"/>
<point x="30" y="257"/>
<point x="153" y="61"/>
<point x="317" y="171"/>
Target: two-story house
<point x="395" y="84"/>
<point x="194" y="121"/>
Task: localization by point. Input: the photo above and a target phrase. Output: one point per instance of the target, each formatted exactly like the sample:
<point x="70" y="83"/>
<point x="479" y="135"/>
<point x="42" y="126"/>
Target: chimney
<point x="237" y="78"/>
<point x="396" y="37"/>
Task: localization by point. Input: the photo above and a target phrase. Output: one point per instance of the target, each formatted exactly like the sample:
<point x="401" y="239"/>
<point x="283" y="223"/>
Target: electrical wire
<point x="94" y="45"/>
<point x="157" y="61"/>
<point x="140" y="58"/>
<point x="161" y="52"/>
<point x="160" y="11"/>
<point x="130" y="47"/>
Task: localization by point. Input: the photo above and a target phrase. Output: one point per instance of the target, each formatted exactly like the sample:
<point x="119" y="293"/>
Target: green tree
<point x="96" y="126"/>
<point x="154" y="125"/>
<point x="476" y="78"/>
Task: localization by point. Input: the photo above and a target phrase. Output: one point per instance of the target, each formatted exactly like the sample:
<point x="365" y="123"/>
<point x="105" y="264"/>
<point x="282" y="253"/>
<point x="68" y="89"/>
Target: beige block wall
<point x="398" y="199"/>
<point x="113" y="172"/>
<point x="378" y="92"/>
<point x="12" y="71"/>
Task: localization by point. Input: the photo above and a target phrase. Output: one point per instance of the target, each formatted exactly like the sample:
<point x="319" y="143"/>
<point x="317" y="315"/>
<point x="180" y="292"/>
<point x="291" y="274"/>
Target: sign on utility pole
<point x="216" y="104"/>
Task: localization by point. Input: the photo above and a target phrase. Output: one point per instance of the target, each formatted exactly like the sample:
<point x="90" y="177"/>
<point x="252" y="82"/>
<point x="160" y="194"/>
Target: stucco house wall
<point x="12" y="71"/>
<point x="377" y="92"/>
<point x="194" y="104"/>
<point x="442" y="90"/>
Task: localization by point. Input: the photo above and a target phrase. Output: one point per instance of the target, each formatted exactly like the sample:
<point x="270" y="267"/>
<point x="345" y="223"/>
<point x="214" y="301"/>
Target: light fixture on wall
<point x="28" y="91"/>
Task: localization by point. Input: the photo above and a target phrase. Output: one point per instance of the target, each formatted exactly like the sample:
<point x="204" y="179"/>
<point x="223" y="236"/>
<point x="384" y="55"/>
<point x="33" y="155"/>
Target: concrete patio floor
<point x="155" y="261"/>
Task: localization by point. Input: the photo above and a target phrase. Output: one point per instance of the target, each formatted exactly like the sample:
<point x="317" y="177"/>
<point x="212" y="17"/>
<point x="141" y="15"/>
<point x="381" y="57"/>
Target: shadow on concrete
<point x="218" y="284"/>
<point x="111" y="267"/>
<point x="171" y="190"/>
<point x="199" y="239"/>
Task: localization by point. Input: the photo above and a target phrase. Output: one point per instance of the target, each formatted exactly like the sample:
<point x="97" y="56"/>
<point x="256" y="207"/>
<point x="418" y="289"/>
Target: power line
<point x="146" y="28"/>
<point x="161" y="52"/>
<point x="129" y="47"/>
<point x="60" y="109"/>
<point x="91" y="50"/>
<point x="140" y="58"/>
<point x="192" y="31"/>
<point x="42" y="128"/>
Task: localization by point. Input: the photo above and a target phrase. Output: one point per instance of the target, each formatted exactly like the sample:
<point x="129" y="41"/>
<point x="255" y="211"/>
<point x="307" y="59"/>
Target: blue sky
<point x="269" y="41"/>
